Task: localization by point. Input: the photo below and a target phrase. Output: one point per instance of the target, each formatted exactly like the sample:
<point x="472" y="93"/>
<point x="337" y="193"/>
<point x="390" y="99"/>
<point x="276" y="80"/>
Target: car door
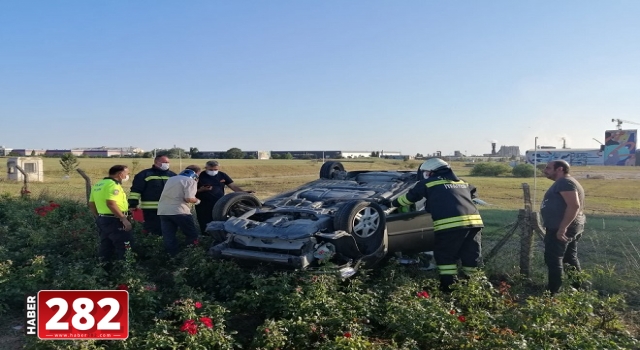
<point x="410" y="231"/>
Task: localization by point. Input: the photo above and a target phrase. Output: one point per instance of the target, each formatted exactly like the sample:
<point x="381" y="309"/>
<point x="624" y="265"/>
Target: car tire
<point x="329" y="169"/>
<point x="232" y="204"/>
<point x="365" y="221"/>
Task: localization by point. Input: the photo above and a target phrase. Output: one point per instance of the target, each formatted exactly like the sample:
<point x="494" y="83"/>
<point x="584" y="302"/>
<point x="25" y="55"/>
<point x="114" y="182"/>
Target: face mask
<point x="126" y="178"/>
<point x="164" y="166"/>
<point x="212" y="172"/>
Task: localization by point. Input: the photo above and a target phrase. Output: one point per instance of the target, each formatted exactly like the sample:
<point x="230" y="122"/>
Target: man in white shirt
<point x="174" y="208"/>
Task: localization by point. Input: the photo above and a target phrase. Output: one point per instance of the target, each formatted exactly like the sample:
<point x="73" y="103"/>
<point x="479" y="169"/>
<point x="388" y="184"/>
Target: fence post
<point x="87" y="182"/>
<point x="526" y="238"/>
<point x="24" y="191"/>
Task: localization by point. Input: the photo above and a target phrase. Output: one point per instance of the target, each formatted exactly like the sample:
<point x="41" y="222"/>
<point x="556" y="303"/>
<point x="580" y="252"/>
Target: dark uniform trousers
<point x="152" y="221"/>
<point x="463" y="244"/>
<point x="204" y="212"/>
<point x="558" y="253"/>
<point x="112" y="238"/>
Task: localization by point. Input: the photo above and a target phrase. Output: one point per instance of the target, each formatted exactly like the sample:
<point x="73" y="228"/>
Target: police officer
<point x="146" y="189"/>
<point x="108" y="203"/>
<point x="457" y="223"/>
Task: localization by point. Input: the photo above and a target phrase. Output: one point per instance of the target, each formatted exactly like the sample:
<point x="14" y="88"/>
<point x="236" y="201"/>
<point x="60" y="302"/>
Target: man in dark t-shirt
<point x="211" y="184"/>
<point x="562" y="211"/>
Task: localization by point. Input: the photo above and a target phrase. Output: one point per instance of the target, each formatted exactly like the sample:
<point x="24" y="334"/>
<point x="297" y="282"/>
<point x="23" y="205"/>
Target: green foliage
<point x="172" y="153"/>
<point x="69" y="163"/>
<point x="234" y="153"/>
<point x="287" y="156"/>
<point x="523" y="170"/>
<point x="193" y="302"/>
<point x="490" y="169"/>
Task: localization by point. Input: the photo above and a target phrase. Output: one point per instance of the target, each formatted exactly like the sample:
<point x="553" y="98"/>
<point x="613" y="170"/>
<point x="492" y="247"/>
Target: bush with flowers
<point x="193" y="302"/>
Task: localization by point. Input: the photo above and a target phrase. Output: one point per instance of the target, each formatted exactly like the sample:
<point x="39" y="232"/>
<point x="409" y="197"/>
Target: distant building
<point x="509" y="151"/>
<point x="309" y="154"/>
<point x="23" y="152"/>
<point x="104" y="152"/>
<point x="5" y="151"/>
<point x="59" y="152"/>
<point x="355" y="154"/>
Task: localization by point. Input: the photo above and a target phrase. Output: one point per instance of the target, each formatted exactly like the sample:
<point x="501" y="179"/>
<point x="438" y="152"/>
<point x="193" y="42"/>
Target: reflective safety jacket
<point x="147" y="187"/>
<point x="449" y="200"/>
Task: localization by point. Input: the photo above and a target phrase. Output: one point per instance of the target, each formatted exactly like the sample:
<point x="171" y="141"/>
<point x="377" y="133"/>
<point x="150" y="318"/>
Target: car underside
<point x="343" y="218"/>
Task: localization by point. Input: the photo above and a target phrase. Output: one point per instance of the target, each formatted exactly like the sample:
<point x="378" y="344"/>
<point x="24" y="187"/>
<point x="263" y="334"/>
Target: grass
<point x="617" y="194"/>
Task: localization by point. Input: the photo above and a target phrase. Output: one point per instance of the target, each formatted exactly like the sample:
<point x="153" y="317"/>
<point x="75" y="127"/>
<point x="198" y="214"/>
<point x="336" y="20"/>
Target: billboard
<point x="620" y="147"/>
<point x="573" y="156"/>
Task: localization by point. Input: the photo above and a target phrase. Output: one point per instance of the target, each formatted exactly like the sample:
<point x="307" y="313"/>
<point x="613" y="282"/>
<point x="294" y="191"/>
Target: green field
<point x="618" y="193"/>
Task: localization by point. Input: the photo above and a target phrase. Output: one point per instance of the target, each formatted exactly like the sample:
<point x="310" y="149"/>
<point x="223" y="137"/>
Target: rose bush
<point x="193" y="302"/>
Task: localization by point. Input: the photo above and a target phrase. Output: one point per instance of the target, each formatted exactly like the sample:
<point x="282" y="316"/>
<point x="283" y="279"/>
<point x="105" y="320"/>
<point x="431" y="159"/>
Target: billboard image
<point x="573" y="156"/>
<point x="620" y="147"/>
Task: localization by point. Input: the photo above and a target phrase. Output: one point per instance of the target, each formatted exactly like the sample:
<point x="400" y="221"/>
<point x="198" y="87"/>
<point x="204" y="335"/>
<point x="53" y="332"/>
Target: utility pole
<point x="535" y="170"/>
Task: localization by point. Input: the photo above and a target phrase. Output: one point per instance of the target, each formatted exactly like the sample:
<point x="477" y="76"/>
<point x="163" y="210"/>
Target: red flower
<point x="462" y="318"/>
<point x="151" y="287"/>
<point x="422" y="294"/>
<point x="190" y="327"/>
<point x="195" y="243"/>
<point x="207" y="322"/>
<point x="266" y="330"/>
<point x="453" y="312"/>
<point x="347" y="334"/>
<point x="122" y="286"/>
<point x="198" y="304"/>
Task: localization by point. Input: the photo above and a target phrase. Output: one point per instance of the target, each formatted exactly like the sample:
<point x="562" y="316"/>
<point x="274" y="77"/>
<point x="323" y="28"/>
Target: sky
<point x="406" y="76"/>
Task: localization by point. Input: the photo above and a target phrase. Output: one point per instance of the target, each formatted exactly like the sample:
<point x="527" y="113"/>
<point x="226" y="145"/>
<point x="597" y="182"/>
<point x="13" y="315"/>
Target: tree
<point x="275" y="156"/>
<point x="33" y="152"/>
<point x="234" y="153"/>
<point x="172" y="153"/>
<point x="419" y="155"/>
<point x="69" y="163"/>
<point x="194" y="152"/>
<point x="287" y="156"/>
<point x="490" y="169"/>
<point x="523" y="170"/>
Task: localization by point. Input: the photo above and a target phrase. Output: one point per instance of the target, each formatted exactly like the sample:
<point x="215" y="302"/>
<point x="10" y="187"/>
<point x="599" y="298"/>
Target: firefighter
<point x="457" y="224"/>
<point x="108" y="204"/>
<point x="146" y="189"/>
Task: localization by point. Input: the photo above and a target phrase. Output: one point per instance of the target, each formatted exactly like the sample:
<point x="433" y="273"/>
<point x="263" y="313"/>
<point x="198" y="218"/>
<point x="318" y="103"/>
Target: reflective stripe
<point x="402" y="200"/>
<point x="134" y="195"/>
<point x="457" y="221"/>
<point x="148" y="178"/>
<point x="469" y="270"/>
<point x="148" y="205"/>
<point x="448" y="269"/>
<point x="444" y="182"/>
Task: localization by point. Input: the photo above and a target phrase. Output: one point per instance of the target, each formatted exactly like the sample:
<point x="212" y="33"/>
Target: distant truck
<point x="574" y="156"/>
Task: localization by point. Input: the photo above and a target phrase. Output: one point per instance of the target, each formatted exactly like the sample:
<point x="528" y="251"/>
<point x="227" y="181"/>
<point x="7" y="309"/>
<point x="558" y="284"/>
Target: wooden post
<point x="87" y="183"/>
<point x="526" y="238"/>
<point x="25" y="187"/>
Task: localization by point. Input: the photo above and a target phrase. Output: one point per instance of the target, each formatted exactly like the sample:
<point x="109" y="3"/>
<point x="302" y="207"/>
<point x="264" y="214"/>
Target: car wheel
<point x="329" y="169"/>
<point x="232" y="204"/>
<point x="365" y="221"/>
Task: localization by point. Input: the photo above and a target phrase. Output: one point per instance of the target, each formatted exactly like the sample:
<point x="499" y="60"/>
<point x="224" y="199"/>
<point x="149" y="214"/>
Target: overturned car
<point x="344" y="218"/>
